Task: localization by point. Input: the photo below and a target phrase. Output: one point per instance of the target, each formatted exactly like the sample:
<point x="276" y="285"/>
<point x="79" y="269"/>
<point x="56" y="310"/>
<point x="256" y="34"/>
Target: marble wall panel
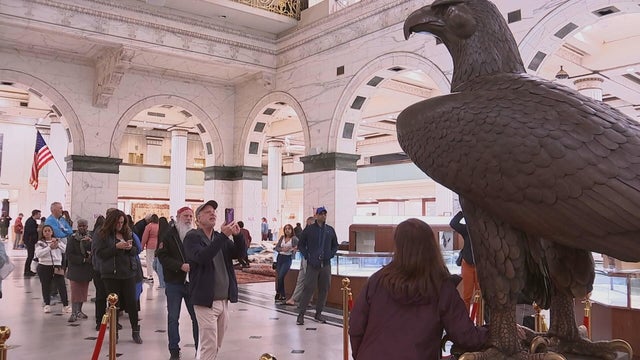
<point x="92" y="194"/>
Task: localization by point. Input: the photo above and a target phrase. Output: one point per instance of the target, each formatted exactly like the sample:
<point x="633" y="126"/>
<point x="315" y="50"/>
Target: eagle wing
<point x="538" y="155"/>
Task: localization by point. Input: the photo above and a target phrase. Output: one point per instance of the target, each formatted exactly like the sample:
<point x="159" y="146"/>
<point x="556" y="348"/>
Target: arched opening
<point x="164" y="142"/>
<point x="29" y="105"/>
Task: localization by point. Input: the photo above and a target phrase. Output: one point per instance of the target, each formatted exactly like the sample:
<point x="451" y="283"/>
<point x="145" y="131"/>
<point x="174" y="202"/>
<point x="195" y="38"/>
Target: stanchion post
<point x="5" y="333"/>
<point x="540" y="325"/>
<point x="346" y="296"/>
<point x="112" y="299"/>
<point x="587" y="315"/>
<point x="477" y="313"/>
<point x="267" y="356"/>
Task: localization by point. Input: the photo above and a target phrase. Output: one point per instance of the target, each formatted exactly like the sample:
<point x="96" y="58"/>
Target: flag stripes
<point x="41" y="157"/>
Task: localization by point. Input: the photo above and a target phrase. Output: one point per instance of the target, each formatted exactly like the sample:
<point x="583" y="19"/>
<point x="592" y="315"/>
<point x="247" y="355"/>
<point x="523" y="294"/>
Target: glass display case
<point x="619" y="288"/>
<point x="364" y="264"/>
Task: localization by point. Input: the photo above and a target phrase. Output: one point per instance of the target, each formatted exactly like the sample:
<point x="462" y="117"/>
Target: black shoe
<point x="135" y="334"/>
<point x="175" y="355"/>
<point x="118" y="326"/>
<point x="320" y="319"/>
<point x="300" y="319"/>
<point x="97" y="327"/>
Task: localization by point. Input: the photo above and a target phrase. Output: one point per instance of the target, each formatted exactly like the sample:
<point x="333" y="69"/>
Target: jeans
<point x="283" y="266"/>
<point x="175" y="293"/>
<point x="157" y="266"/>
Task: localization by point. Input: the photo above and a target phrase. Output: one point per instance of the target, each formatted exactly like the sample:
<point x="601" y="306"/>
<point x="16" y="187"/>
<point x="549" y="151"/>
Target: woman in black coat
<point x="80" y="270"/>
<point x="116" y="253"/>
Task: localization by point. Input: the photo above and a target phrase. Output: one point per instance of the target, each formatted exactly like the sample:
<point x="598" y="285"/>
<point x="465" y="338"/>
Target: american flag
<point x="41" y="157"/>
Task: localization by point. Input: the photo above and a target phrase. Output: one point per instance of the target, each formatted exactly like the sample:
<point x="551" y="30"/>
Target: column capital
<point x="589" y="82"/>
<point x="329" y="162"/>
<point x="177" y="131"/>
<point x="95" y="164"/>
<point x="232" y="173"/>
<point x="275" y="142"/>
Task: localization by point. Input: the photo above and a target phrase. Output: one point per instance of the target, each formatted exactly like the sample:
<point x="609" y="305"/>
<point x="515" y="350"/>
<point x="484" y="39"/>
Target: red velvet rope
<point x="100" y="340"/>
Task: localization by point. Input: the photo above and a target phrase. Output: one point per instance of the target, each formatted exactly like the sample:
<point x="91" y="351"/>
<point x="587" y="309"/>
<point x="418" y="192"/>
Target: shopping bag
<point x="7" y="269"/>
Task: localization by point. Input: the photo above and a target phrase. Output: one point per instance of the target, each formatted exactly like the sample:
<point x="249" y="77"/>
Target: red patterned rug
<point x="256" y="273"/>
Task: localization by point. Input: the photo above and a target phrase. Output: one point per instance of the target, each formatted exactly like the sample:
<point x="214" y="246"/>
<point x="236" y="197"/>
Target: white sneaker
<point x="67" y="309"/>
<point x="47" y="309"/>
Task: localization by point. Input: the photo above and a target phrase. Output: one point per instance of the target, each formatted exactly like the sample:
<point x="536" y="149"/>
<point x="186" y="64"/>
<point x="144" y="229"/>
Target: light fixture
<point x="562" y="75"/>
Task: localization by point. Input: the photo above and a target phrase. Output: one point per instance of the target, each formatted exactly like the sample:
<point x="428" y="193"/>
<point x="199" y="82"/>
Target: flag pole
<point x="60" y="169"/>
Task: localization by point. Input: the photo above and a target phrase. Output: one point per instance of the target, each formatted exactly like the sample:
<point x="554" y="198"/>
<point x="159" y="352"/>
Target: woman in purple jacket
<point x="402" y="311"/>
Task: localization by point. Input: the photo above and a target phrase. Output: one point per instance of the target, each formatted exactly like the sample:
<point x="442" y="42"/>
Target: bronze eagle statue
<point x="545" y="176"/>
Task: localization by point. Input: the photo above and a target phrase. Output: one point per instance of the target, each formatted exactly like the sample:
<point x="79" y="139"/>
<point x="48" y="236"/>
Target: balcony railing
<point x="290" y="8"/>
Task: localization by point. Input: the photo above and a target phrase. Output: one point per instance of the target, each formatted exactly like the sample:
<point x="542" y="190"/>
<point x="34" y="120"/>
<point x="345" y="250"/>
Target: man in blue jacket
<point x="318" y="245"/>
<point x="212" y="278"/>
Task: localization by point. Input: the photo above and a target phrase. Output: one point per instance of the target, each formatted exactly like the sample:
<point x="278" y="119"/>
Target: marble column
<point x="94" y="185"/>
<point x="57" y="181"/>
<point x="590" y="86"/>
<point x="330" y="180"/>
<point x="238" y="187"/>
<point x="178" y="181"/>
<point x="274" y="180"/>
<point x="444" y="201"/>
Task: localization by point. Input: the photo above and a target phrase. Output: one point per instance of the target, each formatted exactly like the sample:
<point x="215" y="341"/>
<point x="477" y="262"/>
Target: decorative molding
<point x="232" y="173"/>
<point x="94" y="164"/>
<point x="330" y="162"/>
<point x="110" y="68"/>
<point x="112" y="11"/>
<point x="363" y="18"/>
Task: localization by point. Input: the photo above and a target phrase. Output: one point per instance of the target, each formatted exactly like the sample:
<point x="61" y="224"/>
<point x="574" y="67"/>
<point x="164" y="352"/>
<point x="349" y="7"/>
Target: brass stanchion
<point x="346" y="307"/>
<point x="266" y="356"/>
<point x="540" y="325"/>
<point x="112" y="299"/>
<point x="586" y="321"/>
<point x="5" y="333"/>
<point x="477" y="309"/>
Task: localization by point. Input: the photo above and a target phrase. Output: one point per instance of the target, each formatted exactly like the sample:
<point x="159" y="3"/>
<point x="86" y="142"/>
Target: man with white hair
<point x="60" y="226"/>
<point x="175" y="268"/>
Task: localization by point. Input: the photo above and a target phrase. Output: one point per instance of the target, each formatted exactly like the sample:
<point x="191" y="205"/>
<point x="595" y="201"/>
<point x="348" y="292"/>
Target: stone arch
<point x="210" y="136"/>
<point x="541" y="41"/>
<point x="357" y="87"/>
<point x="248" y="133"/>
<point x="55" y="100"/>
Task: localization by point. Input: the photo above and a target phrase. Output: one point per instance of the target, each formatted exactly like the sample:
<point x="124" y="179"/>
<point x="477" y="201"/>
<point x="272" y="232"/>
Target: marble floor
<point x="257" y="326"/>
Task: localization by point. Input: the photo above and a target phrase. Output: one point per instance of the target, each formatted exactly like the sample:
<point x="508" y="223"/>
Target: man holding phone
<point x="212" y="278"/>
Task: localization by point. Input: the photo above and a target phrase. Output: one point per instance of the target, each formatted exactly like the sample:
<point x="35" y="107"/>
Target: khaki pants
<point x="212" y="324"/>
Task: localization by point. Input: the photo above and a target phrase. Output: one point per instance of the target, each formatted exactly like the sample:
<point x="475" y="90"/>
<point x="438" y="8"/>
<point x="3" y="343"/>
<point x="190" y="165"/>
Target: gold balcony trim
<point x="290" y="8"/>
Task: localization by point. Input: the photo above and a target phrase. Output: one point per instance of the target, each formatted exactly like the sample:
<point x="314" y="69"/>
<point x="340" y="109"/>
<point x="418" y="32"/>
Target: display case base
<point x="621" y="356"/>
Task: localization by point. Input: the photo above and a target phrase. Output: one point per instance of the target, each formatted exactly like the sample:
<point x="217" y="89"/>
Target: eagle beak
<point x="422" y="20"/>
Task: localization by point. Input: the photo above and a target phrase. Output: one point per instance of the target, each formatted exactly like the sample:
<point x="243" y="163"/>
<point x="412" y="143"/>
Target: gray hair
<point x="82" y="222"/>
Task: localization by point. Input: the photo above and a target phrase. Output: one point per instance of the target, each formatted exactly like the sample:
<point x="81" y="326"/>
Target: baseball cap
<point x="183" y="209"/>
<point x="211" y="203"/>
<point x="321" y="209"/>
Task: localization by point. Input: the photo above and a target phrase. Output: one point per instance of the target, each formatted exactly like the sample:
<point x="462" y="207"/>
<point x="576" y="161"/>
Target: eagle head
<point x="474" y="32"/>
<point x="447" y="19"/>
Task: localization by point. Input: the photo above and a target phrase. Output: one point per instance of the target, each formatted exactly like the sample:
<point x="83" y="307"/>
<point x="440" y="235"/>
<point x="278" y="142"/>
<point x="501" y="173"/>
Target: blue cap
<point x="321" y="209"/>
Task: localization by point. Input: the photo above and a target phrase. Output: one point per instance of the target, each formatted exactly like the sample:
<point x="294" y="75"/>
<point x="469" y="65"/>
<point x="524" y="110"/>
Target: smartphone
<point x="228" y="215"/>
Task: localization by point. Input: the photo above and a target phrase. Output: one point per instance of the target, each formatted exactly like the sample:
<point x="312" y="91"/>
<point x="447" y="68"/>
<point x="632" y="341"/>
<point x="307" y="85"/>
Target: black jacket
<point x="200" y="252"/>
<point x="318" y="244"/>
<point x="171" y="255"/>
<point x="30" y="231"/>
<point x="78" y="259"/>
<point x="466" y="252"/>
<point x="115" y="263"/>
